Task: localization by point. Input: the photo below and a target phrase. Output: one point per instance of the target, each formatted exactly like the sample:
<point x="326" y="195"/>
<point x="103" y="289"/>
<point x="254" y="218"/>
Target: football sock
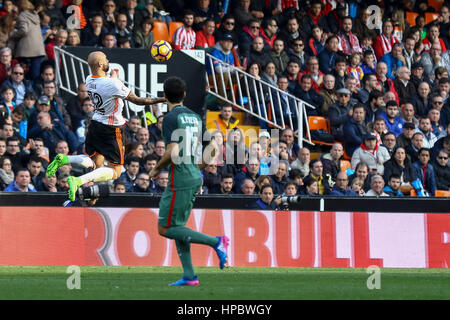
<point x="190" y="236"/>
<point x="82" y="161"/>
<point x="184" y="253"/>
<point x="98" y="175"/>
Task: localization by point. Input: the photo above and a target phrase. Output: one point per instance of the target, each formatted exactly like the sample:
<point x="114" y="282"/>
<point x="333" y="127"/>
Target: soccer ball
<point x="161" y="51"/>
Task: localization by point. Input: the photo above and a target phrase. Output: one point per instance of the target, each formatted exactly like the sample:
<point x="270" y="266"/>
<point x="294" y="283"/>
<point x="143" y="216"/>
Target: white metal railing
<point x="263" y="94"/>
<point x="75" y="72"/>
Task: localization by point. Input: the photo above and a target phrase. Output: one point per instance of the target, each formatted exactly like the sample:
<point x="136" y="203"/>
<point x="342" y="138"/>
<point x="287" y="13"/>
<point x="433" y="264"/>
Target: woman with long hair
<point x="6" y="172"/>
<point x="401" y="165"/>
<point x="143" y="36"/>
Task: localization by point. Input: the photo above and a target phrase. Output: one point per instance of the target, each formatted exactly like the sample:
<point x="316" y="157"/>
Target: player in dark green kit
<point x="181" y="131"/>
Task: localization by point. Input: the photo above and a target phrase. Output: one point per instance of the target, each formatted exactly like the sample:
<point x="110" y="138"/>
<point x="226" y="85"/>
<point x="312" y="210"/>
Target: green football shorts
<point x="175" y="206"/>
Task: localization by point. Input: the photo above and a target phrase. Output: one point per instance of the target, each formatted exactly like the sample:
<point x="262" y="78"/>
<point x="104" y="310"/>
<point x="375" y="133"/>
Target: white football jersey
<point x="107" y="94"/>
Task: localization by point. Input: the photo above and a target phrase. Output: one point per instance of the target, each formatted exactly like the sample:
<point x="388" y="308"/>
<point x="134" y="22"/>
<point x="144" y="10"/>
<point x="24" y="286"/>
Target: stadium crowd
<point x="383" y="87"/>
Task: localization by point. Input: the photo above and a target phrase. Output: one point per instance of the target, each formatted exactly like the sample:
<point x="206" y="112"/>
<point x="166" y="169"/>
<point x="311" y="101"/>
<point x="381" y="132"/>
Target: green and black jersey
<point x="183" y="126"/>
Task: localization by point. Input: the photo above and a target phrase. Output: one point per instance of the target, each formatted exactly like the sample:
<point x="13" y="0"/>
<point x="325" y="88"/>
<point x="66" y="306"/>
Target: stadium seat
<point x="319" y="123"/>
<point x="160" y="31"/>
<point x="345" y="164"/>
<point x="411" y="18"/>
<point x="173" y="25"/>
<point x="436" y="4"/>
<point x="413" y="193"/>
<point x="430" y="17"/>
<point x="442" y="193"/>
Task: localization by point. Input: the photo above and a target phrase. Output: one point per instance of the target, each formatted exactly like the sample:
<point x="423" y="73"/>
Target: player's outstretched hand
<point x="154" y="173"/>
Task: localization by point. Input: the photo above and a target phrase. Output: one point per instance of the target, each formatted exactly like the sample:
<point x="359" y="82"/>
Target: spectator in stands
<point x="394" y="122"/>
<point x="15" y="153"/>
<point x="27" y="38"/>
<point x="21" y="183"/>
<point x="339" y="72"/>
<point x="369" y="63"/>
<point x="385" y="41"/>
<point x="50" y="131"/>
<point x="211" y="176"/>
<point x="418" y="74"/>
<point x="235" y="152"/>
<point x="143" y="36"/>
<point x="282" y="104"/>
<point x="376" y="187"/>
<point x="434" y="115"/>
<point x="327" y="57"/>
<point x="279" y="56"/>
<point x="302" y="162"/>
<point x="225" y="121"/>
<point x="393" y="60"/>
<point x="227" y="26"/>
<point x="279" y="179"/>
<point x="56" y="102"/>
<point x="143" y="137"/>
<point x="250" y="171"/>
<point x="204" y="38"/>
<point x="248" y="187"/>
<point x="290" y="189"/>
<point x="389" y="141"/>
<point x="360" y="25"/>
<point x="312" y="69"/>
<point x="6" y="172"/>
<point x="409" y="53"/>
<point x="261" y="181"/>
<point x="269" y="30"/>
<point x="374" y="106"/>
<point x="160" y="148"/>
<point x="59" y="41"/>
<point x="161" y="182"/>
<point x="2" y="146"/>
<point x="429" y="139"/>
<point x="354" y="129"/>
<point x="123" y="42"/>
<point x="416" y="144"/>
<point x="333" y="162"/>
<point x="328" y="93"/>
<point x="316" y="172"/>
<point x="351" y="84"/>
<point x="433" y="59"/>
<point x="6" y="64"/>
<point x="184" y="36"/>
<point x="74" y="105"/>
<point x="297" y="53"/>
<point x="393" y="186"/>
<point x="292" y="32"/>
<point x="348" y="42"/>
<point x="310" y="187"/>
<point x="47" y="184"/>
<point x="442" y="170"/>
<point x="7" y="24"/>
<point x="61" y="181"/>
<point x="247" y="36"/>
<point x="407" y="113"/>
<point x="205" y="10"/>
<point x="371" y="153"/>
<point x="94" y="33"/>
<point x="307" y="93"/>
<point x="18" y="83"/>
<point x="401" y="165"/>
<point x="404" y="139"/>
<point x="121" y="29"/>
<point x="242" y="14"/>
<point x="73" y="38"/>
<point x="109" y="13"/>
<point x="386" y="84"/>
<point x="34" y="166"/>
<point x="47" y="74"/>
<point x="119" y="187"/>
<point x="226" y="185"/>
<point x="339" y="112"/>
<point x="293" y="74"/>
<point x="37" y="148"/>
<point x="369" y="83"/>
<point x="142" y="183"/>
<point x="424" y="171"/>
<point x="258" y="53"/>
<point x="128" y="177"/>
<point x="269" y="75"/>
<point x="267" y="199"/>
<point x="135" y="149"/>
<point x="405" y="88"/>
<point x="314" y="16"/>
<point x="292" y="147"/>
<point x="134" y="15"/>
<point x="109" y="41"/>
<point x="341" y="188"/>
<point x="432" y="38"/>
<point x="7" y="100"/>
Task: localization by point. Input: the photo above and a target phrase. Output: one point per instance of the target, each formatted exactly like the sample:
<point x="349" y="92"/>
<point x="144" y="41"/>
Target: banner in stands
<point x="121" y="236"/>
<point x="137" y="67"/>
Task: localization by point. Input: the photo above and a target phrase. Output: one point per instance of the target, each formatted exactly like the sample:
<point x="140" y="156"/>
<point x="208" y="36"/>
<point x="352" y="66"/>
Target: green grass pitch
<point x="50" y="282"/>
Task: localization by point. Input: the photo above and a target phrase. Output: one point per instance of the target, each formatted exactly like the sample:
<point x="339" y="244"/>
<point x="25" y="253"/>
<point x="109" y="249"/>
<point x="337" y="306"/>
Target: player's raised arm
<point x="172" y="149"/>
<point x="142" y="101"/>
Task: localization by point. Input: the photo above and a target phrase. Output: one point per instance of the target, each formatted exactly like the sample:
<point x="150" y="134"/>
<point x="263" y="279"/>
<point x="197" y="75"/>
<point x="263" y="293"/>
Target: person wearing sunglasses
<point x="18" y="83"/>
<point x="442" y="170"/>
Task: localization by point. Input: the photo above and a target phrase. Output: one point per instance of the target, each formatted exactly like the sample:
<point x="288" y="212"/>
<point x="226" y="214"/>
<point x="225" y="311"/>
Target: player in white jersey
<point x="104" y="139"/>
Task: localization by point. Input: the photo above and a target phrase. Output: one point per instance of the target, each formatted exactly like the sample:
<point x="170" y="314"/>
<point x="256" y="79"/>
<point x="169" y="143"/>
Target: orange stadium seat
<point x="430" y="17"/>
<point x="442" y="193"/>
<point x="319" y="123"/>
<point x="173" y="25"/>
<point x="436" y="4"/>
<point x="345" y="164"/>
<point x="160" y="31"/>
<point x="411" y="18"/>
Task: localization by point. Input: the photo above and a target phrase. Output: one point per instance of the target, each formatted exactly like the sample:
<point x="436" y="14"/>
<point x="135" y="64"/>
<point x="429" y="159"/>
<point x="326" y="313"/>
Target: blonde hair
<point x="25" y="5"/>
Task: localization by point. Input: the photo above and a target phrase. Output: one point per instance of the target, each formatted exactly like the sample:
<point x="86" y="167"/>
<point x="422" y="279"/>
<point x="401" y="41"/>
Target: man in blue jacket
<point x="394" y="123"/>
<point x="425" y="171"/>
<point x="354" y="129"/>
<point x="341" y="188"/>
<point x="21" y="183"/>
<point x="394" y="60"/>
